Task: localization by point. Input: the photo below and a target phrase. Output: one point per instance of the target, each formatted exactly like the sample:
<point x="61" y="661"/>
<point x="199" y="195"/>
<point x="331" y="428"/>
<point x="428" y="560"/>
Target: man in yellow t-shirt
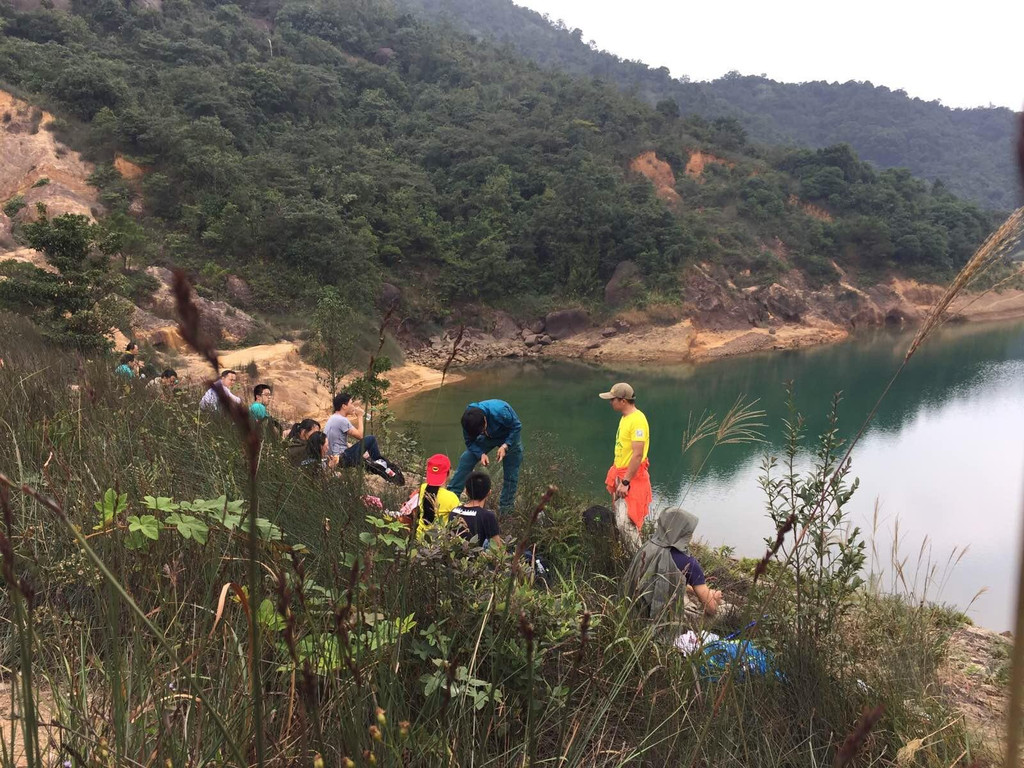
<point x="628" y="478"/>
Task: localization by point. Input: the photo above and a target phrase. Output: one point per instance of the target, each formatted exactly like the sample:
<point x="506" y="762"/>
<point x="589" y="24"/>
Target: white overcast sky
<point x="965" y="54"/>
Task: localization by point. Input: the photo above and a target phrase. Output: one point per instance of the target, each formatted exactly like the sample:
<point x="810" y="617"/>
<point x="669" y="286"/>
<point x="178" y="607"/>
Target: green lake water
<point x="944" y="456"/>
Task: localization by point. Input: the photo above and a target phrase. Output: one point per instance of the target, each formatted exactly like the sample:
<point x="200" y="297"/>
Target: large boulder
<point x="785" y="303"/>
<point x="6" y="230"/>
<point x="505" y="327"/>
<point x="220" y="320"/>
<point x="868" y="316"/>
<point x="564" y="323"/>
<point x="390" y="296"/>
<point x="239" y="291"/>
<point x="624" y="284"/>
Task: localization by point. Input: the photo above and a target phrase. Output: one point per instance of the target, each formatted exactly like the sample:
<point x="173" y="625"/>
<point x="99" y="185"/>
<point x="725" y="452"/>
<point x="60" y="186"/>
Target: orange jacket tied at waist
<point x="638" y="496"/>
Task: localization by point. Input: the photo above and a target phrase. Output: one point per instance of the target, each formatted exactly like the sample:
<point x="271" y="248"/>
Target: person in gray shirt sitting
<point x="345" y="433"/>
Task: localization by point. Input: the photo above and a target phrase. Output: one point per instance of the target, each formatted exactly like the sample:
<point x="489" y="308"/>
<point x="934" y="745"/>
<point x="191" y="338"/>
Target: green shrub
<point x="15" y="204"/>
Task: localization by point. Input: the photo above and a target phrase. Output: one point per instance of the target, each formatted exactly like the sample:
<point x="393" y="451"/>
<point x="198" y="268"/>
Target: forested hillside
<point x="305" y="143"/>
<point x="967" y="149"/>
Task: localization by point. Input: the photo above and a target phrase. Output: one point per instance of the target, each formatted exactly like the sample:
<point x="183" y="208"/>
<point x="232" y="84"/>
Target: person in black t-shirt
<point x="472" y="520"/>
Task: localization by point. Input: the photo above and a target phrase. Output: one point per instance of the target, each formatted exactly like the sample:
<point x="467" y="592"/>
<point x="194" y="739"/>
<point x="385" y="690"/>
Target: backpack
<point x="386" y="469"/>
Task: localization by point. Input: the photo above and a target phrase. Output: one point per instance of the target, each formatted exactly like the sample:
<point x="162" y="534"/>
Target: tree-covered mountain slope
<point x="967" y="149"/>
<point x="303" y="144"/>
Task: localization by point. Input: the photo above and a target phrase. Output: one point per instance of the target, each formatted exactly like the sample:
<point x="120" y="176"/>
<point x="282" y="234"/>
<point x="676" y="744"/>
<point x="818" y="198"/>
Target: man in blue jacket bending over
<point x="487" y="425"/>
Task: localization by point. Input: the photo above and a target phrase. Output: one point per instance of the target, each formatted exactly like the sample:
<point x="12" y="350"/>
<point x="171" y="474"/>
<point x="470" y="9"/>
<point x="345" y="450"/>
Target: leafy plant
<point x="170" y="515"/>
<point x="824" y="551"/>
<point x="332" y="347"/>
<point x="460" y="684"/>
<point x="15" y="204"/>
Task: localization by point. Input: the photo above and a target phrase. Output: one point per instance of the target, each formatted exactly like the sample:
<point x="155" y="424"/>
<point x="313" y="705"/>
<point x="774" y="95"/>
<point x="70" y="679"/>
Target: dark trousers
<point x="513" y="460"/>
<point x="353" y="455"/>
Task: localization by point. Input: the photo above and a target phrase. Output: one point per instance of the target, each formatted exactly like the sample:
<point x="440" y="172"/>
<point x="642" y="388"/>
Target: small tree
<point x="372" y="387"/>
<point x="333" y="345"/>
<point x="122" y="236"/>
<point x="824" y="552"/>
<point x="77" y="306"/>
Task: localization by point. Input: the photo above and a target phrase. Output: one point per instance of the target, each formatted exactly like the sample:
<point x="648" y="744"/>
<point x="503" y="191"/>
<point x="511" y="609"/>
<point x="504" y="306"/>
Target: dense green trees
<point x="77" y="306"/>
<point x="970" y="149"/>
<point x="306" y="144"/>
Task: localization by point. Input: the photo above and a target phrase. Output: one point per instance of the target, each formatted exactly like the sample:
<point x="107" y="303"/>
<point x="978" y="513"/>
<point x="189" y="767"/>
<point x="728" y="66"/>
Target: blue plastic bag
<point x="747" y="659"/>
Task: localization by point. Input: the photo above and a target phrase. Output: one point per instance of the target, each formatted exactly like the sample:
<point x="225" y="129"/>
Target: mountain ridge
<point x="967" y="149"/>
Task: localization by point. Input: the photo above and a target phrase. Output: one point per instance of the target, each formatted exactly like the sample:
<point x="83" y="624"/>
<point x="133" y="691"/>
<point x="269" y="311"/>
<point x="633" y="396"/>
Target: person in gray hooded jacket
<point x="664" y="567"/>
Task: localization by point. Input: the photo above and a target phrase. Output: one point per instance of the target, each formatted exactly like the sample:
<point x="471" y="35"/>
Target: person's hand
<point x="620" y="489"/>
<point x="501" y="452"/>
<point x="332" y="461"/>
<point x="484" y="459"/>
<point x="714" y="600"/>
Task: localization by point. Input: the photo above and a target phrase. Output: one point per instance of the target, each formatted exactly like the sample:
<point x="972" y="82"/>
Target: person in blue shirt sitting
<point x="261" y="395"/>
<point x="487" y="425"/>
<point x="129" y="367"/>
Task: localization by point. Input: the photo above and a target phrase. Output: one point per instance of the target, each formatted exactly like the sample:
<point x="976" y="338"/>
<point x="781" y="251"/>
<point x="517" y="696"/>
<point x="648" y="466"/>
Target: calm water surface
<point x="943" y="459"/>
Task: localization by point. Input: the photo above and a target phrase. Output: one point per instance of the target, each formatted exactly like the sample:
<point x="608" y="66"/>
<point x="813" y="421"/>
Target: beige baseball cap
<point x="622" y="390"/>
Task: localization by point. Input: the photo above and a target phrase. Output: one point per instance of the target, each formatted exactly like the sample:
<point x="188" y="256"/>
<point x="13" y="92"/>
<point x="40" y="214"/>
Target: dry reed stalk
<point x="780" y="538"/>
<point x="991" y="251"/>
<point x="855" y="739"/>
<point x="252" y="441"/>
<point x="381" y="338"/>
<point x="1014" y="713"/>
<point x="455" y="350"/>
<point x="541" y="506"/>
<point x="1015" y="710"/>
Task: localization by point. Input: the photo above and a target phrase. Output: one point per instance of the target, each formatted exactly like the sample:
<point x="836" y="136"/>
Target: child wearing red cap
<point x="436" y="502"/>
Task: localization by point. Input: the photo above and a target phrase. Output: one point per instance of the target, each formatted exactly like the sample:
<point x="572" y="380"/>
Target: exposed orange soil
<point x="812" y="210"/>
<point x="700" y="160"/>
<point x="129" y="170"/>
<point x="659" y="173"/>
<point x="29" y="153"/>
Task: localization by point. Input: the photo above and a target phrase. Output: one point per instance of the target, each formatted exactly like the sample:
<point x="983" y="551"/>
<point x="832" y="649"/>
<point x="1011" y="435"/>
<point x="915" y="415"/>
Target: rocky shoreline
<point x="718" y="321"/>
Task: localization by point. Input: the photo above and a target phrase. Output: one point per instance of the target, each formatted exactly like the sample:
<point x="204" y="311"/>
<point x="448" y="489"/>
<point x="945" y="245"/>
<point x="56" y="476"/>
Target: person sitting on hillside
<point x="210" y="401"/>
<point x="261" y="395"/>
<point x="435" y="502"/>
<point x="131" y="348"/>
<point x="166" y="383"/>
<point x="472" y="520"/>
<point x="317" y="459"/>
<point x="128" y="368"/>
<point x="346" y="436"/>
<point x="298" y="435"/>
<point x="661" y="572"/>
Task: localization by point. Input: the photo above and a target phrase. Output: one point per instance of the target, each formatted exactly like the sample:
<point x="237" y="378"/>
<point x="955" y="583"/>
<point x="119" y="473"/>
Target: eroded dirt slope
<point x="35" y="165"/>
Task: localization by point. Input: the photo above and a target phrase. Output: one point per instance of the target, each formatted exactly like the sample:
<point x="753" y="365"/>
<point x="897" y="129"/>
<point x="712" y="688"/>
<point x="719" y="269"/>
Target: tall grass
<point x="374" y="650"/>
